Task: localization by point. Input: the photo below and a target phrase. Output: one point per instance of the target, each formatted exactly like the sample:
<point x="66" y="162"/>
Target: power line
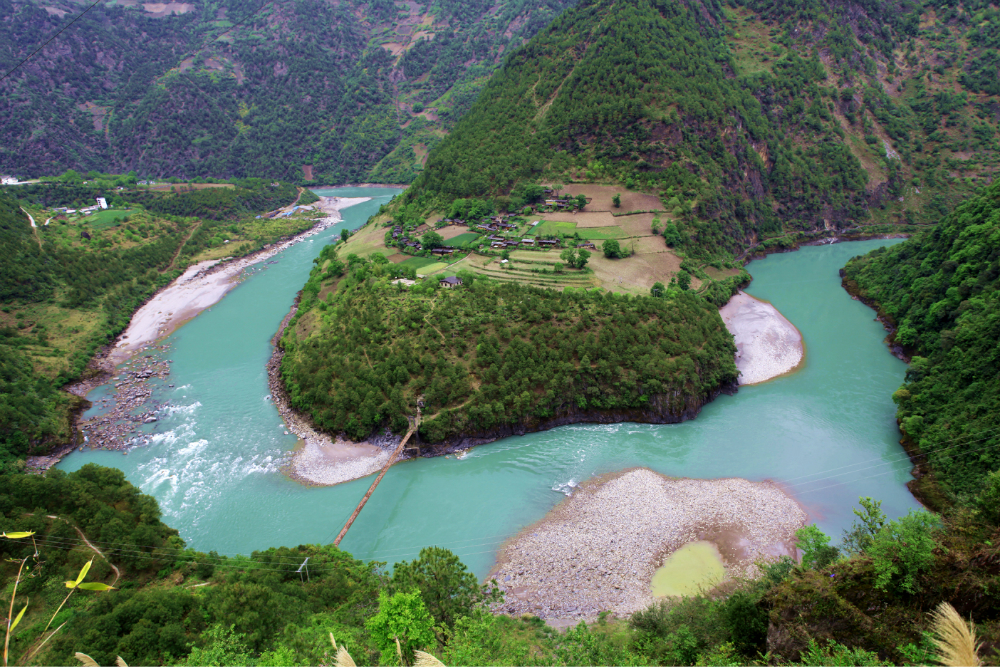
<point x="16" y="67"/>
<point x="161" y="554"/>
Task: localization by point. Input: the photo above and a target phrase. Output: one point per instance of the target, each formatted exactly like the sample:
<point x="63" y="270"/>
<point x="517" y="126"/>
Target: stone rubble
<point x="118" y="428"/>
<point x="597" y="550"/>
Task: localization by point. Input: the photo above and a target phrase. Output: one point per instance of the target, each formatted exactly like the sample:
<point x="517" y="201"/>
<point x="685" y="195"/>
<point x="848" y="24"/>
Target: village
<point x="498" y="232"/>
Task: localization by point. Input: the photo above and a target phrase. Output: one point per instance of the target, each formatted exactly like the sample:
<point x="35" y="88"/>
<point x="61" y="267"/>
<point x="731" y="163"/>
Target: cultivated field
<point x="600" y="196"/>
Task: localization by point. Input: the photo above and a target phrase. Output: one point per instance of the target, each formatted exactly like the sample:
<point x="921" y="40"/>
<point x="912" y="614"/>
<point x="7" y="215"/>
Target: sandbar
<point x="204" y="284"/>
<point x="597" y="550"/>
<point x="767" y="344"/>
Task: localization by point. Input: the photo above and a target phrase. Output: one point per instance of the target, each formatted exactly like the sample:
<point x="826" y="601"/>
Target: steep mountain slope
<point x="749" y="120"/>
<point x="941" y="290"/>
<point x="304" y="90"/>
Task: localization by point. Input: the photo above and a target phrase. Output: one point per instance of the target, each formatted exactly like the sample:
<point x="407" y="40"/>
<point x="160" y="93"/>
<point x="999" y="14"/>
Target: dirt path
<point x="83" y="537"/>
<point x="173" y="260"/>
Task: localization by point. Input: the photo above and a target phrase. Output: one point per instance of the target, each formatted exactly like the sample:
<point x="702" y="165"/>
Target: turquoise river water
<point x="827" y="432"/>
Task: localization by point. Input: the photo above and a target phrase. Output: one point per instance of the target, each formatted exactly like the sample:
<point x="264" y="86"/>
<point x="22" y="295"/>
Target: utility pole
<point x="305" y="564"/>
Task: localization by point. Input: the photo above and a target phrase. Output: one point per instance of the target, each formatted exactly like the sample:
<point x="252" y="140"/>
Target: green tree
<point x="222" y="646"/>
<point x="581" y="258"/>
<point x="903" y="550"/>
<point x="569" y="256"/>
<point x="404" y="618"/>
<point x="612" y="249"/>
<point x="683" y="279"/>
<point x="617" y="200"/>
<point x="987" y="503"/>
<point x="871" y="519"/>
<point x="658" y="290"/>
<point x="344" y="234"/>
<point x="815" y="545"/>
<point x="446" y="587"/>
<point x="671" y="235"/>
<point x="431" y="240"/>
<point x="581" y="202"/>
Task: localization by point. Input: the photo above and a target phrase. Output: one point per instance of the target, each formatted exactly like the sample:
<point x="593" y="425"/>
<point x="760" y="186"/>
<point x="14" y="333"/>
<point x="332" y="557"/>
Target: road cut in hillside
<point x="597" y="550"/>
<point x="767" y="344"/>
<point x="204" y="284"/>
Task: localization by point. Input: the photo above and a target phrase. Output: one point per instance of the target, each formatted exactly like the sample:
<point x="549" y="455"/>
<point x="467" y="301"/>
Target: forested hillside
<point x="492" y="358"/>
<point x="295" y="90"/>
<point x="71" y="284"/>
<point x="941" y="292"/>
<point x="749" y="119"/>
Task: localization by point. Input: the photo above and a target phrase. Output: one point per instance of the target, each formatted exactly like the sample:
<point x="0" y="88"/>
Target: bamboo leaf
<point x="18" y="536"/>
<point x="70" y="584"/>
<point x="95" y="586"/>
<point x="84" y="570"/>
<point x="18" y="619"/>
<point x="86" y="660"/>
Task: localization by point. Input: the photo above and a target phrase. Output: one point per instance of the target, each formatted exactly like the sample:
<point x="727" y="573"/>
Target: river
<point x="827" y="432"/>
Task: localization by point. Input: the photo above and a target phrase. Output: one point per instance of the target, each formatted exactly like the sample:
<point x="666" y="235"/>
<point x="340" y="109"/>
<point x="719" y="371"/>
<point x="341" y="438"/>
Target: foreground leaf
<point x="18" y="619"/>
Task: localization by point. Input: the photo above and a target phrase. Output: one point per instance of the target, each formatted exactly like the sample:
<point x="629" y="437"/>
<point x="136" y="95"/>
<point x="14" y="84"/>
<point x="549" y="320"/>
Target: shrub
<point x="815" y="545"/>
<point x="903" y="549"/>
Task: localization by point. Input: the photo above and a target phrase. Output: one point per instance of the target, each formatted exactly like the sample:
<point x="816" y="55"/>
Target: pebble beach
<point x="597" y="550"/>
<point x="767" y="344"/>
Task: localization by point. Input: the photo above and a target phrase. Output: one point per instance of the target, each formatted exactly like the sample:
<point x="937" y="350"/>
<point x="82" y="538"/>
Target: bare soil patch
<point x="600" y="196"/>
<point x="582" y="219"/>
<point x="451" y="231"/>
<point x="636" y="274"/>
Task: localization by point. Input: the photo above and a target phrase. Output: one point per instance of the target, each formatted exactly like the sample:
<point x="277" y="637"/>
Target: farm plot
<point x="102" y="219"/>
<point x="420" y="262"/>
<point x="465" y="239"/>
<point x="600" y="198"/>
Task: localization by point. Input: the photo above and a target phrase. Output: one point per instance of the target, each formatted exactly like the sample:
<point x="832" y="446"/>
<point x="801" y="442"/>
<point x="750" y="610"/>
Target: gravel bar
<point x="597" y="550"/>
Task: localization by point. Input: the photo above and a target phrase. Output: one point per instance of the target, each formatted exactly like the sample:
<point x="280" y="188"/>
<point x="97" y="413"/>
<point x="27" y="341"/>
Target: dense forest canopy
<point x="57" y="276"/>
<point x="941" y="292"/>
<point x="488" y="356"/>
<point x="750" y="120"/>
<point x="355" y="90"/>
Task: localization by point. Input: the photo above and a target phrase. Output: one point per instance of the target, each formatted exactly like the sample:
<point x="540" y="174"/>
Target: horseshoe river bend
<point x="826" y="433"/>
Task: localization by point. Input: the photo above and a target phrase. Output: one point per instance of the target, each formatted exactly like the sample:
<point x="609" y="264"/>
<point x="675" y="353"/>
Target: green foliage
<point x="431" y="240"/>
<point x="987" y="502"/>
<point x="494" y="357"/>
<point x="249" y="95"/>
<point x="617" y="200"/>
<point x="941" y="289"/>
<point x="401" y="618"/>
<point x="612" y="249"/>
<point x="446" y="587"/>
<point x="871" y="520"/>
<point x="904" y="549"/>
<point x="684" y="279"/>
<point x="838" y="655"/>
<point x="815" y="546"/>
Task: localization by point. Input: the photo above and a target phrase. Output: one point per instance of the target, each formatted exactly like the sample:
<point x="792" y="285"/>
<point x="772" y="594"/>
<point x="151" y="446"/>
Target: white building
<point x="102" y="202"/>
<point x="8" y="180"/>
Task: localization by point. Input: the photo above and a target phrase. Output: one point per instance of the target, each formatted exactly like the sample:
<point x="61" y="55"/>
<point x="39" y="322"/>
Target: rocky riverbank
<point x="597" y="550"/>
